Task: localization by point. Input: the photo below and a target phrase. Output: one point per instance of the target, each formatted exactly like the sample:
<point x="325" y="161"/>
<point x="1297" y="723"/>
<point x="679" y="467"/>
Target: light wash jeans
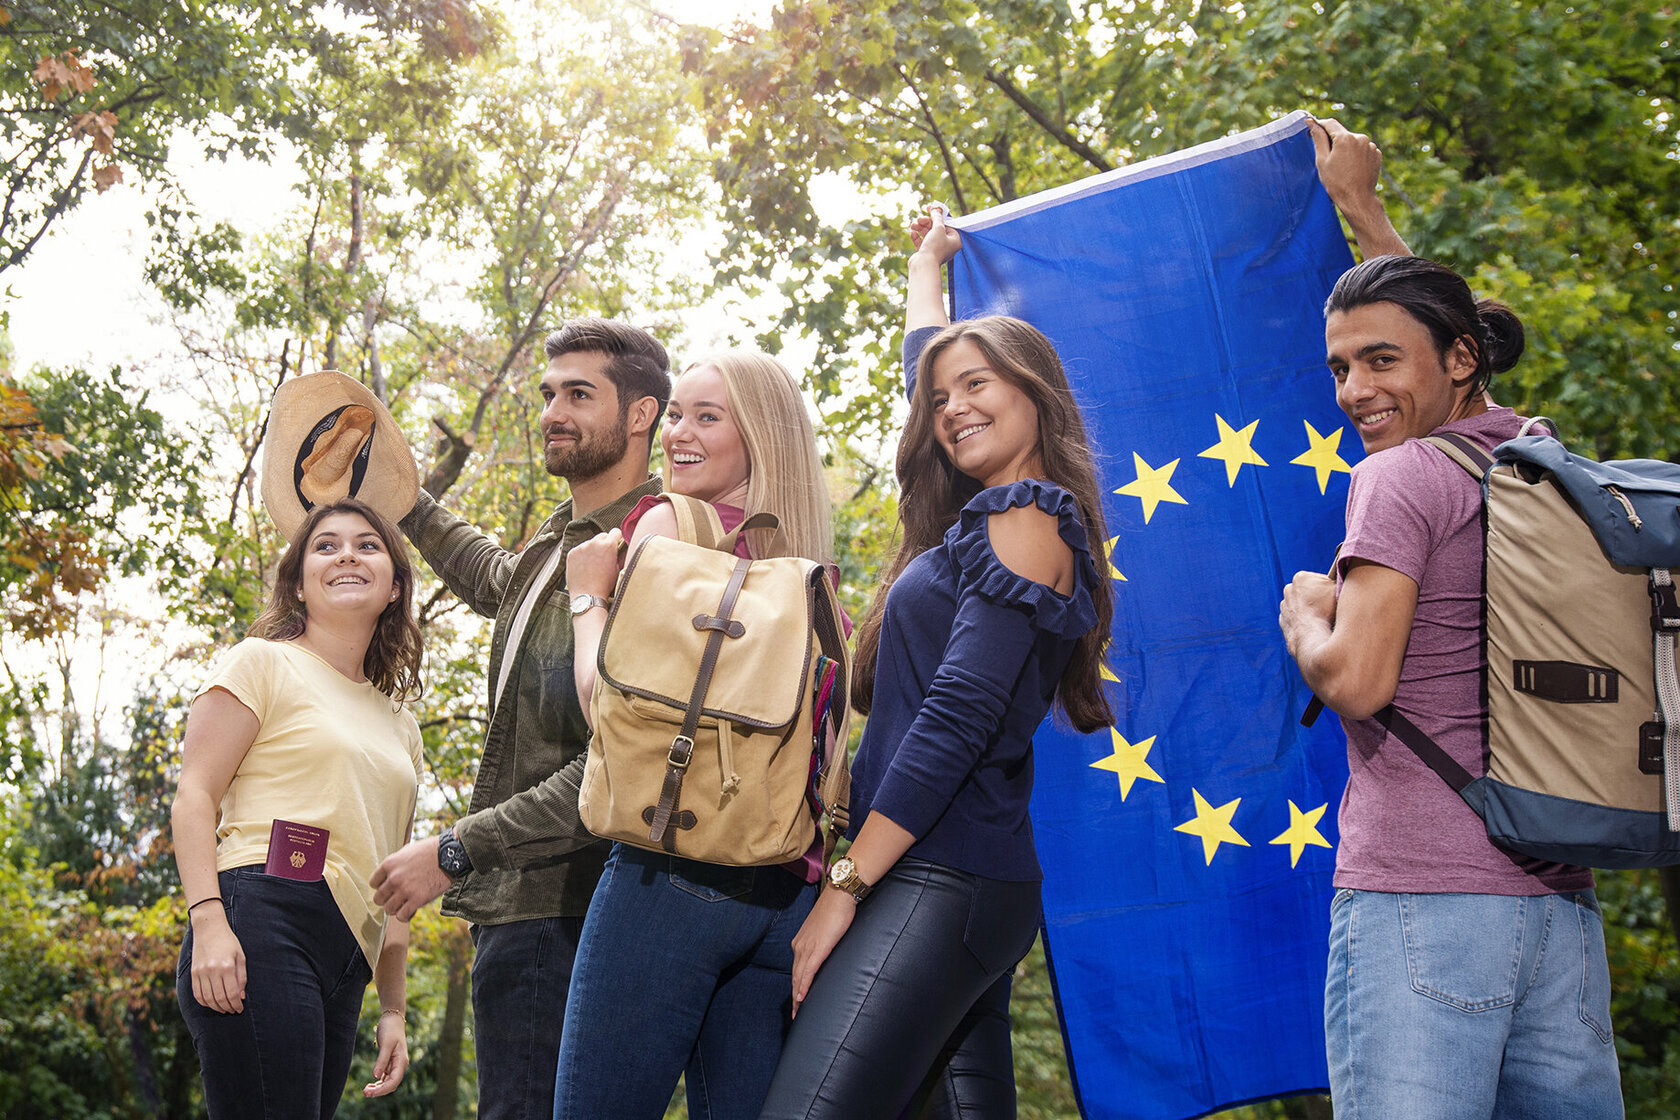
<point x="1469" y="1007"/>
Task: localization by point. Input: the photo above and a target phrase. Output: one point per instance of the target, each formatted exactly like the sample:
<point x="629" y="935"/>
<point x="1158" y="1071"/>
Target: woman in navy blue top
<point x="991" y="612"/>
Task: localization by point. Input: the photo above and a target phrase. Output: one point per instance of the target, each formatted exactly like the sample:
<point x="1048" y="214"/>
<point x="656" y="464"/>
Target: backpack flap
<point x="1633" y="505"/>
<point x="651" y="646"/>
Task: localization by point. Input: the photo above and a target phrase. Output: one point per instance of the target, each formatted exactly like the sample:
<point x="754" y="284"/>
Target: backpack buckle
<point x="682" y="749"/>
<point x="1665" y="608"/>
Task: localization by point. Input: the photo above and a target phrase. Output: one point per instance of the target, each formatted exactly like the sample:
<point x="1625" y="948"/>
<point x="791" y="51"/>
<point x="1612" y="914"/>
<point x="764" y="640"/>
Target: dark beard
<point x="591" y="455"/>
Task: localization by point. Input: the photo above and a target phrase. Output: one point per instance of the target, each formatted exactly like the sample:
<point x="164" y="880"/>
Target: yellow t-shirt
<point x="330" y="753"/>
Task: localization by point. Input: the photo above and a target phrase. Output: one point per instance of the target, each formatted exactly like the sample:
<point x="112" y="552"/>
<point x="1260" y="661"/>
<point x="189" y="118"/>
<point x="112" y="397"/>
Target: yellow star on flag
<point x="1235" y="447"/>
<point x="1212" y="825"/>
<point x="1113" y="572"/>
<point x="1321" y="455"/>
<point x="1302" y="830"/>
<point x="1128" y="761"/>
<point x="1152" y="486"/>
<point x="1107" y="673"/>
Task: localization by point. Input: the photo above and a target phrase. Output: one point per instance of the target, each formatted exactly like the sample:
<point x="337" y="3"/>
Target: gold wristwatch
<point x="844" y="875"/>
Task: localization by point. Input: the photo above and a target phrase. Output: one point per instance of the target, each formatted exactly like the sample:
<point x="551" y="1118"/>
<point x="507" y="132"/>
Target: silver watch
<point x="586" y="602"/>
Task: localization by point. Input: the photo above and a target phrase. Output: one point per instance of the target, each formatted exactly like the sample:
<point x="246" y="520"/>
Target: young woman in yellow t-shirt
<point x="301" y="732"/>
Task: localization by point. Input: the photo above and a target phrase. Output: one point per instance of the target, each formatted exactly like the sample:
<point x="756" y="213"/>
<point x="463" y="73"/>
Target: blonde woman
<point x="687" y="966"/>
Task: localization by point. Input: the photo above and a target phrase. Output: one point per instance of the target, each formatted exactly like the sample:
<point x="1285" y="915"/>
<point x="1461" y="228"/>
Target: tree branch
<point x="257" y="442"/>
<point x="938" y="138"/>
<point x="1061" y="135"/>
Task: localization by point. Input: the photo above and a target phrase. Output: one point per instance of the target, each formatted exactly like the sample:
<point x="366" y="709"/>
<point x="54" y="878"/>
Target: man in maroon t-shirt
<point x="1465" y="981"/>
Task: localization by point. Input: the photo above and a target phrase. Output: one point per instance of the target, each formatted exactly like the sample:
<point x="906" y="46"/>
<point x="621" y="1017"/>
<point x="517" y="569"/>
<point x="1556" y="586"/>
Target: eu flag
<point x="1188" y="850"/>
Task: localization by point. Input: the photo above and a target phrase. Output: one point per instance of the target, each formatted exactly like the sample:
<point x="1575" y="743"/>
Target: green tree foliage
<point x="90" y="1029"/>
<point x="1532" y="146"/>
<point x="96" y="91"/>
<point x="126" y="482"/>
<point x="88" y="90"/>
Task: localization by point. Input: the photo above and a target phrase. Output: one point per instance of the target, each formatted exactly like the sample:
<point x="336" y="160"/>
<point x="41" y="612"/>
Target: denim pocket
<point x="1464" y="950"/>
<point x="711" y="882"/>
<point x="1595" y="969"/>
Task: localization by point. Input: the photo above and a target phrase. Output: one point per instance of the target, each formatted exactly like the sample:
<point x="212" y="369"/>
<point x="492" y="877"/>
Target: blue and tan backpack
<point x="1579" y="626"/>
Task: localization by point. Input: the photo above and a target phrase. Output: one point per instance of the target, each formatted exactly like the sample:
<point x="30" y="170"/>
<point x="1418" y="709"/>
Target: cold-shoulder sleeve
<point x="1003" y="621"/>
<point x="969" y="544"/>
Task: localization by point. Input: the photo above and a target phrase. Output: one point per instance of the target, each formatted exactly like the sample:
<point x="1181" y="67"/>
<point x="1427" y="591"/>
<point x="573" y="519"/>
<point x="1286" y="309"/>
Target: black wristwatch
<point x="452" y="855"/>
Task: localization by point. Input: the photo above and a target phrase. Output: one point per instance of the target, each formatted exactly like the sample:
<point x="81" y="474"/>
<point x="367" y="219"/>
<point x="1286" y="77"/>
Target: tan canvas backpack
<point x="721" y="705"/>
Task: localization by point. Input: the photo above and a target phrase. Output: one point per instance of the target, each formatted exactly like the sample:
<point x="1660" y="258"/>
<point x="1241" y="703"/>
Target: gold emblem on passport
<point x="297" y="859"/>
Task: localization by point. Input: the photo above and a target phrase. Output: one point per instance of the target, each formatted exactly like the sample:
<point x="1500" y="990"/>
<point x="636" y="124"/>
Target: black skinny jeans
<point x="910" y="1014"/>
<point x="287" y="1055"/>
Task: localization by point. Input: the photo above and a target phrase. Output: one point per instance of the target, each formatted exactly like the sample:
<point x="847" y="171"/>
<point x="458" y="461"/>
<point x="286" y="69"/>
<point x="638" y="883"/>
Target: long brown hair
<point x="392" y="661"/>
<point x="932" y="492"/>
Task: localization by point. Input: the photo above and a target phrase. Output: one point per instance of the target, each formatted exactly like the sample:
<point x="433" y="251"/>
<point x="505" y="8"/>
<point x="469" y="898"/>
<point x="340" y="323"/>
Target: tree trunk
<point x="447" y="1101"/>
<point x="145" y="1079"/>
<point x="1671" y="895"/>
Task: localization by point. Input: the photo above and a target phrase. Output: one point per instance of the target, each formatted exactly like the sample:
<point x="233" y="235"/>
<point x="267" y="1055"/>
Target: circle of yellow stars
<point x="1129" y="762"/>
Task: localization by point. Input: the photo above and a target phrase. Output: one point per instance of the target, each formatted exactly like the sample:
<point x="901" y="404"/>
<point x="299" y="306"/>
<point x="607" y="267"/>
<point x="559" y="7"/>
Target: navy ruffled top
<point x="970" y="657"/>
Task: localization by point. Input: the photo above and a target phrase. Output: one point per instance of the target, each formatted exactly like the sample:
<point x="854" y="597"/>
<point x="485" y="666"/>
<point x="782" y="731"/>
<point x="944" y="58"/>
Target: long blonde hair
<point x="785" y="475"/>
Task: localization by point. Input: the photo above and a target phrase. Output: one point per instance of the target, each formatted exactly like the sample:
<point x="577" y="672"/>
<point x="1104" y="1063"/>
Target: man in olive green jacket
<point x="520" y="866"/>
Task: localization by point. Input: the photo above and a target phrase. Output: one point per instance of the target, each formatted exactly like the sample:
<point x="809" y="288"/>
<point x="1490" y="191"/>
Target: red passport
<point x="296" y="851"/>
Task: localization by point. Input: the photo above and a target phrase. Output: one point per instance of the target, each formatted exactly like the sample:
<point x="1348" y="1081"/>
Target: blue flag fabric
<point x="1188" y="851"/>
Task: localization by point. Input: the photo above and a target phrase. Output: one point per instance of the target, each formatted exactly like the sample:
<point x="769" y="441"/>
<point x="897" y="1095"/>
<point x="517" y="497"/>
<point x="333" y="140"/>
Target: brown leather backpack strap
<point x="682" y="747"/>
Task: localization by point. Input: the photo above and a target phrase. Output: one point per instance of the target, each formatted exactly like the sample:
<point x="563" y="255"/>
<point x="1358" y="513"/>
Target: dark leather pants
<point x="910" y="1014"/>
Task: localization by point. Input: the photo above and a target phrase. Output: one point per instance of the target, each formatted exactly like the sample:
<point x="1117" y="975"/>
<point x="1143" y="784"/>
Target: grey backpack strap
<point x="1665" y="626"/>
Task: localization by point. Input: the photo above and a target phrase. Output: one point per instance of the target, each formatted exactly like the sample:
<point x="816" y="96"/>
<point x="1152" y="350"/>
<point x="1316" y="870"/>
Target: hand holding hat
<point x="329" y="438"/>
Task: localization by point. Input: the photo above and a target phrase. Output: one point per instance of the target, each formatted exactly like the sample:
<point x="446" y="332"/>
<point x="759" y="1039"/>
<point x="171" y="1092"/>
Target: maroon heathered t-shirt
<point x="1404" y="830"/>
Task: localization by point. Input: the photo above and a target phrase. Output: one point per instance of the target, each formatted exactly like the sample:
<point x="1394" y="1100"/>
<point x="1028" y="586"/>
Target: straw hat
<point x="329" y="438"/>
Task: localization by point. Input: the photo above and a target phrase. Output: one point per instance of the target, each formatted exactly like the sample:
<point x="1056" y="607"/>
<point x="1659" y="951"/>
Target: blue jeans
<point x="1469" y="1007"/>
<point x="286" y="1055"/>
<point x="520" y="974"/>
<point x="910" y="1013"/>
<point x="682" y="967"/>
